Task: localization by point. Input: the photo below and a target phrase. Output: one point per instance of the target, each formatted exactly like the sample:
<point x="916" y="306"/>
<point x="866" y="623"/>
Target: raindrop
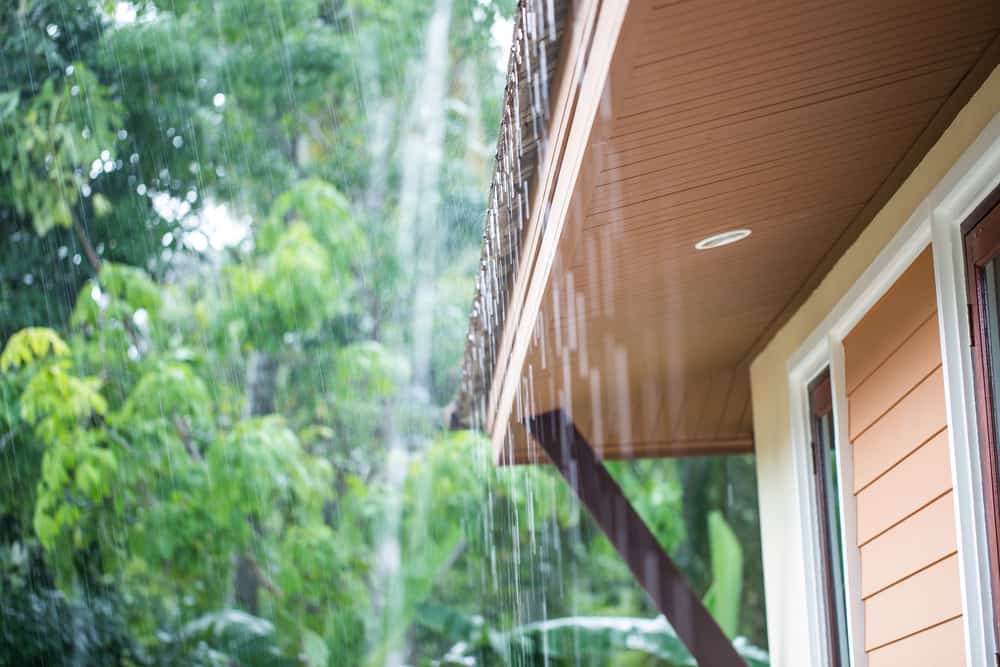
<point x="74" y="91"/>
<point x="167" y="239"/>
<point x="28" y="279"/>
<point x="123" y="134"/>
<point x="105" y="155"/>
<point x="85" y="190"/>
<point x="134" y="158"/>
<point x="220" y="171"/>
<point x="198" y="241"/>
<point x="62" y="252"/>
<point x="77" y="259"/>
<point x="69" y="70"/>
<point x="86" y="133"/>
<point x="191" y="196"/>
<point x="178" y="141"/>
<point x="109" y="167"/>
<point x="171" y="131"/>
<point x="219" y="99"/>
<point x="52" y="30"/>
<point x="141" y="189"/>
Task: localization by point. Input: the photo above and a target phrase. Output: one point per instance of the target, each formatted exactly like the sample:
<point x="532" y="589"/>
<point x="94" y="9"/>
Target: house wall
<point x="905" y="537"/>
<point x="791" y="641"/>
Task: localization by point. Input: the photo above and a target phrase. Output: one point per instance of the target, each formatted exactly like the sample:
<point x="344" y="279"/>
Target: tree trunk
<point x="262" y="380"/>
<point x="247" y="584"/>
<point x="419" y="231"/>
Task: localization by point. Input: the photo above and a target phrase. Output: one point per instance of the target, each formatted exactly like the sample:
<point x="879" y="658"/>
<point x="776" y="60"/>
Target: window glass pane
<point x="834" y="550"/>
<point x="828" y="505"/>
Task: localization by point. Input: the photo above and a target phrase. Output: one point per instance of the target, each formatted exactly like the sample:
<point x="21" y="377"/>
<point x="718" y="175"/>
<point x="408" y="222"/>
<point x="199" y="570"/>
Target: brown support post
<point x="638" y="547"/>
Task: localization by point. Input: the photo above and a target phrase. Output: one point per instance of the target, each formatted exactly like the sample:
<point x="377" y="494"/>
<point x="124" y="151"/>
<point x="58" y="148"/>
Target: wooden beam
<point x="635" y="543"/>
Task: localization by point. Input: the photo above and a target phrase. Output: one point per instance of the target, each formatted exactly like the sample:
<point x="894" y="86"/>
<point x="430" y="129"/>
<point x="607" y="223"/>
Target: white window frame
<point x="936" y="222"/>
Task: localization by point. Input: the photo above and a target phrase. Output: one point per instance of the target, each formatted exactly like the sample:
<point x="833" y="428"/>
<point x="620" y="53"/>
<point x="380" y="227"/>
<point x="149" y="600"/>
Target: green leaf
<point x="29" y="345"/>
<point x="603" y="639"/>
<point x="723" y="600"/>
<point x="8" y="103"/>
<point x="314" y="650"/>
<point x="246" y="640"/>
<point x="102" y="206"/>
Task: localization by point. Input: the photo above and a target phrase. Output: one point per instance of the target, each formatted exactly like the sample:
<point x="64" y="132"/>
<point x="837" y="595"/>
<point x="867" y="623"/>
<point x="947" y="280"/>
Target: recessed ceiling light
<point x="719" y="240"/>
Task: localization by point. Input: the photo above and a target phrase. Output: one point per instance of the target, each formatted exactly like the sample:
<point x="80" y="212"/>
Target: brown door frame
<point x="655" y="571"/>
<point x="821" y="405"/>
<point x="981" y="241"/>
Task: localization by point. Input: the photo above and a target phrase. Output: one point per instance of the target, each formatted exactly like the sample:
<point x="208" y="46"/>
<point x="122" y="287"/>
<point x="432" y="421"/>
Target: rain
<point x="257" y="261"/>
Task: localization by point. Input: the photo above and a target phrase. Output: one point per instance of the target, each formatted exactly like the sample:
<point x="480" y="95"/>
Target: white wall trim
<point x="824" y="347"/>
<point x="812" y="557"/>
<point x="935" y="222"/>
<point x="827" y="352"/>
<point x="848" y="514"/>
<point x="971" y="179"/>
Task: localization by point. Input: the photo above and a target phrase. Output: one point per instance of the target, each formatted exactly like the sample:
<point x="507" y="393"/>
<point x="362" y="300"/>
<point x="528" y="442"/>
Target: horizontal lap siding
<point x="897" y="423"/>
<point x="934" y="646"/>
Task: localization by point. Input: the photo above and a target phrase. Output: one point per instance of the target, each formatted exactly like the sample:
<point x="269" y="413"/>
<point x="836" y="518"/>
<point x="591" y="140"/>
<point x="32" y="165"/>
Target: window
<point x="824" y="459"/>
<point x="982" y="262"/>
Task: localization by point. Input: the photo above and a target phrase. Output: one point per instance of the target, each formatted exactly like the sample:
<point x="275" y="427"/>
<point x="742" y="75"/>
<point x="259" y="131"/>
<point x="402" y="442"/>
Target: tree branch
<point x="117" y="437"/>
<point x="88" y="249"/>
<point x="184" y="433"/>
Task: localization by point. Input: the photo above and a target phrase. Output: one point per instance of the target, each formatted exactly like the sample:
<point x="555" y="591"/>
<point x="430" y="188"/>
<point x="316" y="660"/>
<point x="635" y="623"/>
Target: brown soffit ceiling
<point x="796" y="120"/>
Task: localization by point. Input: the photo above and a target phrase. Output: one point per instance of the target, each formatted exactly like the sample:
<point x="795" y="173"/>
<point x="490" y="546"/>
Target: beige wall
<point x="780" y="511"/>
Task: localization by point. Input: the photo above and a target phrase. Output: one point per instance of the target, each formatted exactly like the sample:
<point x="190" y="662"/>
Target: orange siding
<point x="939" y="646"/>
<point x="918" y="417"/>
<point x="915" y="482"/>
<point x="897" y="423"/>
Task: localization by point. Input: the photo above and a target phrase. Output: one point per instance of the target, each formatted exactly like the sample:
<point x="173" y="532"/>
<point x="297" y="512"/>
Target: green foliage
<point x="724" y="597"/>
<point x="577" y="641"/>
<point x="231" y="636"/>
<point x="29" y="344"/>
<point x="41" y="626"/>
<point x="261" y="467"/>
<point x="46" y="147"/>
<point x="286" y="291"/>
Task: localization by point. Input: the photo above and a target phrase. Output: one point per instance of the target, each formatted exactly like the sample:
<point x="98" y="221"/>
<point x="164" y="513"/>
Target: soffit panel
<point x="785" y="117"/>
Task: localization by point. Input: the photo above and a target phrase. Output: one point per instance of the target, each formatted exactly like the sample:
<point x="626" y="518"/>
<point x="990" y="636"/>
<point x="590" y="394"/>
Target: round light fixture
<point x="719" y="240"/>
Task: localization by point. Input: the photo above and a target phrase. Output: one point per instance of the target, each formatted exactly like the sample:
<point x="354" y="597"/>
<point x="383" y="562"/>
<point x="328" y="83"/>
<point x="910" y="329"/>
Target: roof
<point x="531" y="73"/>
<point x="795" y="120"/>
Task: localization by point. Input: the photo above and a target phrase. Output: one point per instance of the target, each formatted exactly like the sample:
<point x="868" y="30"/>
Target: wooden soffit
<point x="796" y="119"/>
